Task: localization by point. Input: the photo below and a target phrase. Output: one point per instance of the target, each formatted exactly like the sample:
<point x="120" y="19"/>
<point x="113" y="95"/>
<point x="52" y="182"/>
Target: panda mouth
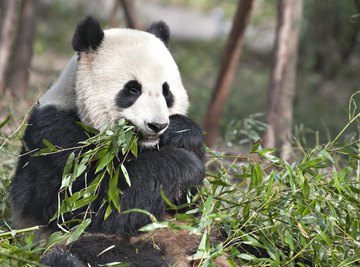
<point x="149" y="137"/>
<point x="148" y="140"/>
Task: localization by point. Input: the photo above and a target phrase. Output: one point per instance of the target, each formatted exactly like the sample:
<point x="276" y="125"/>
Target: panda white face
<point x="128" y="74"/>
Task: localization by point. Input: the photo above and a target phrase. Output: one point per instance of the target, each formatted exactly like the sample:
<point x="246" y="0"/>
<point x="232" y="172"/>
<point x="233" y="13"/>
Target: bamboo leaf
<point x="87" y="128"/>
<point x="78" y="231"/>
<point x="5" y="121"/>
<point x="49" y="145"/>
<point x="126" y="175"/>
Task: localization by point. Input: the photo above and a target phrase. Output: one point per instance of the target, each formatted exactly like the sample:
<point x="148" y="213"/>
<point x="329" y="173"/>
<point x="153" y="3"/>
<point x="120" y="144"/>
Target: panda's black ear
<point x="88" y="35"/>
<point x="161" y="31"/>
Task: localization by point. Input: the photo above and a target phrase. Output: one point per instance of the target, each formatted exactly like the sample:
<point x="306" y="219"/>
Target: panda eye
<point x="166" y="89"/>
<point x="169" y="98"/>
<point x="133" y="88"/>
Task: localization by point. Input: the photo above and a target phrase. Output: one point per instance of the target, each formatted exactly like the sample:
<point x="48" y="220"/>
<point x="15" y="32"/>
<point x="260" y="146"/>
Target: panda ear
<point x="88" y="35"/>
<point x="161" y="31"/>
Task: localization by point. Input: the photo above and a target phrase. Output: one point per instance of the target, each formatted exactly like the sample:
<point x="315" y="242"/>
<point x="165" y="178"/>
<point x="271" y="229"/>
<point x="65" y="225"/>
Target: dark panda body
<point x="175" y="165"/>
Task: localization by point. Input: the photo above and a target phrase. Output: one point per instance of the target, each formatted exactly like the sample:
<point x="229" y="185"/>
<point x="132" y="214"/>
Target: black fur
<point x="90" y="249"/>
<point x="176" y="167"/>
<point x="37" y="179"/>
<point x="161" y="31"/>
<point x="169" y="97"/>
<point x="61" y="258"/>
<point x="129" y="94"/>
<point x="93" y="245"/>
<point x="88" y="35"/>
<point x="184" y="133"/>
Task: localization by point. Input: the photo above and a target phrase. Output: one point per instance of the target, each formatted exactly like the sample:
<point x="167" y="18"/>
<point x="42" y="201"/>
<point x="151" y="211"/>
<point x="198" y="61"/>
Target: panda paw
<point x="184" y="133"/>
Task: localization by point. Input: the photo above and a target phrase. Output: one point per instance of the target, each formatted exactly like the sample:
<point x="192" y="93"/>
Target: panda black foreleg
<point x="183" y="132"/>
<point x="172" y="170"/>
<point x="36" y="182"/>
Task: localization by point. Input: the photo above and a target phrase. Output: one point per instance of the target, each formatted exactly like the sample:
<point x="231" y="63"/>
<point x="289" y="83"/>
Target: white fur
<point x="127" y="55"/>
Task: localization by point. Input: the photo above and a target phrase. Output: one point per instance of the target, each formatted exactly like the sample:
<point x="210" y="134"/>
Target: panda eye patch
<point x="133" y="87"/>
<point x="169" y="97"/>
<point x="129" y="94"/>
<point x="166" y="89"/>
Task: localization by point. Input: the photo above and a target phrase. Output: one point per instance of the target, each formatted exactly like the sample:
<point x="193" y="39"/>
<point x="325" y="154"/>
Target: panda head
<point x="125" y="73"/>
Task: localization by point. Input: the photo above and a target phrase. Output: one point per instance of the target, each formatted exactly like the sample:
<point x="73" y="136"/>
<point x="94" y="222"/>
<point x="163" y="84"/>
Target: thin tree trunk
<point x="6" y="37"/>
<point x="130" y="14"/>
<point x="19" y="75"/>
<point x="228" y="67"/>
<point x="114" y="14"/>
<point x="283" y="78"/>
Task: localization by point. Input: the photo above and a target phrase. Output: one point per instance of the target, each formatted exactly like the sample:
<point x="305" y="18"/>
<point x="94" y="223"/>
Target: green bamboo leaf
<point x="203" y="247"/>
<point x="153" y="226"/>
<point x="78" y="231"/>
<point x="108" y="211"/>
<point x="134" y="147"/>
<point x="354" y="189"/>
<point x="121" y="122"/>
<point x="68" y="203"/>
<point x="5" y="121"/>
<point x="289" y="240"/>
<point x="325" y="237"/>
<point x="87" y="128"/>
<point x="152" y="217"/>
<point x="246" y="212"/>
<point x="49" y="145"/>
<point x="270" y="185"/>
<point x="305" y="188"/>
<point x="313" y="163"/>
<point x="56" y="238"/>
<point x="113" y="190"/>
<point x="84" y="201"/>
<point x="246" y="257"/>
<point x="69" y="163"/>
<point x="65" y="182"/>
<point x="255" y="147"/>
<point x="355" y="229"/>
<point x="42" y="152"/>
<point x="167" y="201"/>
<point x="207" y="208"/>
<point x="125" y="173"/>
<point x="105" y="161"/>
<point x="67" y="172"/>
<point x="99" y="154"/>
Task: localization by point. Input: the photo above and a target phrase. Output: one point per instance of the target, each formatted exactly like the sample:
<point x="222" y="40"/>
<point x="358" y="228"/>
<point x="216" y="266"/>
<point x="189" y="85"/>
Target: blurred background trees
<point x="281" y="93"/>
<point x="326" y="70"/>
<point x="16" y="51"/>
<point x="227" y="70"/>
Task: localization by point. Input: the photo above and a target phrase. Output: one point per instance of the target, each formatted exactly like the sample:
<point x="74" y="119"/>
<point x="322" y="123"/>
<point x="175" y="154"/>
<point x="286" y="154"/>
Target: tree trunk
<point x="283" y="77"/>
<point x="6" y="37"/>
<point x="19" y="75"/>
<point x="130" y="14"/>
<point x="114" y="14"/>
<point x="228" y="67"/>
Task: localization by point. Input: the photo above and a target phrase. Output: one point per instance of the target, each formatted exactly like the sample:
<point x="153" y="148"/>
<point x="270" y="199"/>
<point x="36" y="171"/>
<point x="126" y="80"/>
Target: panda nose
<point x="157" y="127"/>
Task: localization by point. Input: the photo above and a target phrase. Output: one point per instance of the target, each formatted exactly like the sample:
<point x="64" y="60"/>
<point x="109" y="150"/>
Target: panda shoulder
<point x="62" y="93"/>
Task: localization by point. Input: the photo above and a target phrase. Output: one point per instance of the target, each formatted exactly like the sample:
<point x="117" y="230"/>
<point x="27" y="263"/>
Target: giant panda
<point x="114" y="74"/>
